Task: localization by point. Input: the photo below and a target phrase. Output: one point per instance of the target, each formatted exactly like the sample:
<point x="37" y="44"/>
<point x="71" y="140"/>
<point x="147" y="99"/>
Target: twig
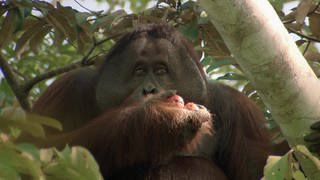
<point x="315" y="9"/>
<point x="85" y="60"/>
<point x="303" y="35"/>
<point x="307" y="47"/>
<point x="83" y="6"/>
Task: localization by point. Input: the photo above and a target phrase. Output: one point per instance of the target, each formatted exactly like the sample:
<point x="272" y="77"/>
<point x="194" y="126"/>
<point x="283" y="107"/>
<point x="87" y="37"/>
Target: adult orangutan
<point x="122" y="113"/>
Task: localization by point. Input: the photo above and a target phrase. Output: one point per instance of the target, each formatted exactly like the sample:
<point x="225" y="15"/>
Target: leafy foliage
<point x="24" y="160"/>
<point x="288" y="167"/>
<point x="38" y="37"/>
<point x="27" y="161"/>
<point x="39" y="41"/>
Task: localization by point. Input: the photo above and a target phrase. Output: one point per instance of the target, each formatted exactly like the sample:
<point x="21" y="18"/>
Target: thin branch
<point x="21" y="90"/>
<point x="307" y="47"/>
<point x="315" y="9"/>
<point x="47" y="75"/>
<point x="83" y="6"/>
<point x="17" y="89"/>
<point x="92" y="60"/>
<point x="107" y="39"/>
<point x="303" y="35"/>
<point x="86" y="59"/>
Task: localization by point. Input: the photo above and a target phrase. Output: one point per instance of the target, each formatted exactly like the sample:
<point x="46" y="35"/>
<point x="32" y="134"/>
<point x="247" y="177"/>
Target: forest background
<point x="41" y="40"/>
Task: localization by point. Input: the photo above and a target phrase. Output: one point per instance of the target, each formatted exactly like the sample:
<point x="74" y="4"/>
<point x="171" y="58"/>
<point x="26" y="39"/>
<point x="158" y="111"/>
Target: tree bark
<point x="270" y="59"/>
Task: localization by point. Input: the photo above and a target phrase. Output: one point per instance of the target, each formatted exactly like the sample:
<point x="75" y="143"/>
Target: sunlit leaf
<point x="32" y="150"/>
<point x="46" y="155"/>
<point x="20" y="161"/>
<point x="309" y="163"/>
<point x="290" y="166"/>
<point x="220" y="62"/>
<point x="13" y="114"/>
<point x="75" y="163"/>
<point x="47" y="121"/>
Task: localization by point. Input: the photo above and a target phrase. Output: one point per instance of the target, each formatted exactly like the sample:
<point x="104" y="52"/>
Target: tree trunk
<point x="271" y="60"/>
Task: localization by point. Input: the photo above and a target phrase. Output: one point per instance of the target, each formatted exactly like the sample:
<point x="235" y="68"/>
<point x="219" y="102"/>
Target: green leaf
<point x="206" y="61"/>
<point x="75" y="163"/>
<point x="25" y="11"/>
<point x="13" y="114"/>
<point x="32" y="150"/>
<point x="277" y="168"/>
<point x="191" y="31"/>
<point x="20" y="161"/>
<point x="36" y="130"/>
<point x="7" y="172"/>
<point x="81" y="17"/>
<point x="43" y="120"/>
<point x="27" y="122"/>
<point x="290" y="165"/>
<point x="309" y="163"/>
<point x="219" y="63"/>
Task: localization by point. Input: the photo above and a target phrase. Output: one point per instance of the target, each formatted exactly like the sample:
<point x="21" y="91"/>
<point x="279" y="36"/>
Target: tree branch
<point x="16" y="87"/>
<point x="47" y="75"/>
<point x="21" y="90"/>
<point x="303" y="35"/>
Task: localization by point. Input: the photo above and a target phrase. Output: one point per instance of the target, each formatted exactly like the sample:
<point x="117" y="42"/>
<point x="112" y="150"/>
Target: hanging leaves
<point x="314" y="21"/>
<point x="23" y="42"/>
<point x="8" y="27"/>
